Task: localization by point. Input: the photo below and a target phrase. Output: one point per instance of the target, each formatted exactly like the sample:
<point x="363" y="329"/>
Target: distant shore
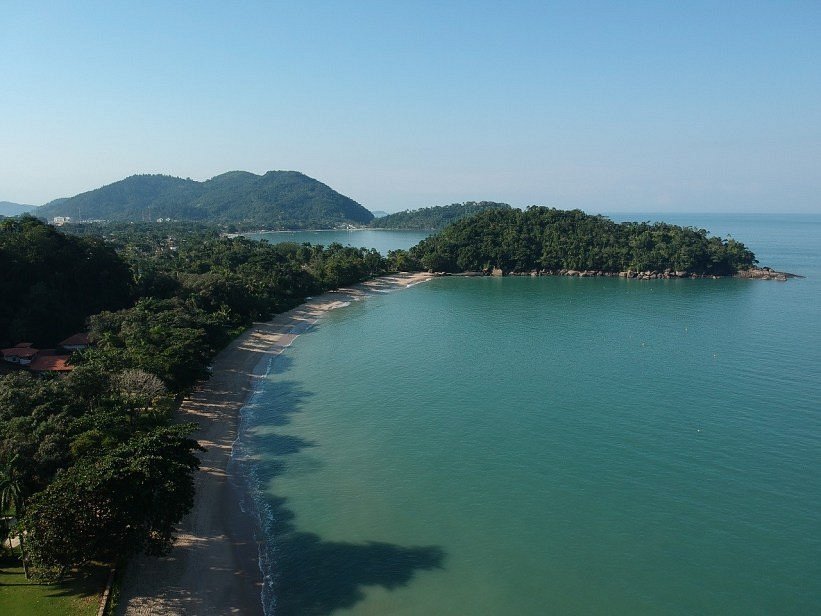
<point x="351" y="229"/>
<point x="214" y="566"/>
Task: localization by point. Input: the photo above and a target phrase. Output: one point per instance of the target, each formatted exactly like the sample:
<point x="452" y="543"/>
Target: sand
<point x="214" y="567"/>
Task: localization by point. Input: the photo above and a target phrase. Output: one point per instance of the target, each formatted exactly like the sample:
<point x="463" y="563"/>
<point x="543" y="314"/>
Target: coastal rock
<point x="765" y="273"/>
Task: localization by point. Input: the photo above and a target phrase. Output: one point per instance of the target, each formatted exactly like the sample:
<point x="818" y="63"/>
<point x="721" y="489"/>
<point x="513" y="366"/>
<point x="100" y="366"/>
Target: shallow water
<point x="552" y="445"/>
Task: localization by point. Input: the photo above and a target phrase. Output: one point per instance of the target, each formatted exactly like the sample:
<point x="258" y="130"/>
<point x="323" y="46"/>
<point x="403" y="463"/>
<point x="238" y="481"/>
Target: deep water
<point x="552" y="445"/>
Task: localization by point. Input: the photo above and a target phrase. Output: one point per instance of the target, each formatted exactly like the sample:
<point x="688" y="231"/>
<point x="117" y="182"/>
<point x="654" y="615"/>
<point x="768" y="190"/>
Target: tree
<point x="138" y="390"/>
<point x="120" y="504"/>
<point x="11" y="497"/>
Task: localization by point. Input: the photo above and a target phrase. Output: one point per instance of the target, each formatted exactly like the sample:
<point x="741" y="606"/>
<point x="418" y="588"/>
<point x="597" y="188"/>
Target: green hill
<point x="435" y="217"/>
<point x="276" y="200"/>
<point x="7" y="208"/>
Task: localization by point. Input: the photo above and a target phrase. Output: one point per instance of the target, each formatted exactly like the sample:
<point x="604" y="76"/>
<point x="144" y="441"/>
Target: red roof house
<point x="76" y="342"/>
<point x="21" y="354"/>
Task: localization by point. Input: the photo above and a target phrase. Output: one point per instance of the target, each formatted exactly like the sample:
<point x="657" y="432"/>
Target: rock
<point x="765" y="273"/>
<point x="497" y="271"/>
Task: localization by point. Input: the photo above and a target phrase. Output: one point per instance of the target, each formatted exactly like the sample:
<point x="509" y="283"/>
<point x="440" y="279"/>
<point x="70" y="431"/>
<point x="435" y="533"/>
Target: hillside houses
<point x="77" y="342"/>
<point x="43" y="361"/>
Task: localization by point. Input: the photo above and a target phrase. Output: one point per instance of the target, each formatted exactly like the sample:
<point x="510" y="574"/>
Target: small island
<point x="548" y="241"/>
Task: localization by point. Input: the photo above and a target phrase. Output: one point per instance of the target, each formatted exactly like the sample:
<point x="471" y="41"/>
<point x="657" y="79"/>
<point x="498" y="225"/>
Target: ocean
<point x="551" y="445"/>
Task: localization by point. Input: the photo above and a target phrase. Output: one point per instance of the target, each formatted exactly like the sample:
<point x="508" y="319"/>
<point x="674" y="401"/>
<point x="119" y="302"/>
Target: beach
<point x="213" y="567"/>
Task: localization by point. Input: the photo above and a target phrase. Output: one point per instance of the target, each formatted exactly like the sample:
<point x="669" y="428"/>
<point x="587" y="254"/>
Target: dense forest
<point x="434" y="217"/>
<point x="275" y="200"/>
<point x="547" y="239"/>
<point x="73" y="447"/>
<point x="51" y="281"/>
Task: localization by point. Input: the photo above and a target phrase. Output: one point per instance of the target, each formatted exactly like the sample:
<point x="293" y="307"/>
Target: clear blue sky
<point x="604" y="106"/>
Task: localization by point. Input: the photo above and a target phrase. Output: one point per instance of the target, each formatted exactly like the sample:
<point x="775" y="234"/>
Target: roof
<point x="19" y="351"/>
<point x="23" y="345"/>
<point x="76" y="340"/>
<point x="51" y="363"/>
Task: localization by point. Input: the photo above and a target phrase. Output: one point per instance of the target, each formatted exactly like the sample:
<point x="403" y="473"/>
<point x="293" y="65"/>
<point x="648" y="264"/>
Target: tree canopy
<point x="435" y="217"/>
<point x="115" y="505"/>
<point x="51" y="282"/>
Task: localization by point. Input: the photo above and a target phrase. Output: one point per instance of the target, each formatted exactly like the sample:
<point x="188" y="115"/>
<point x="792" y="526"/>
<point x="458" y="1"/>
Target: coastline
<point x="214" y="565"/>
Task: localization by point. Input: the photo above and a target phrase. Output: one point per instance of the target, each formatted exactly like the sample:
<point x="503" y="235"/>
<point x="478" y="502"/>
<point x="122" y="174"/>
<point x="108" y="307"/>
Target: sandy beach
<point x="213" y="568"/>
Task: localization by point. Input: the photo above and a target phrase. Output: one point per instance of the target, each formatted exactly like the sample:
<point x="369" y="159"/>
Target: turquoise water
<point x="552" y="446"/>
<point x="382" y="240"/>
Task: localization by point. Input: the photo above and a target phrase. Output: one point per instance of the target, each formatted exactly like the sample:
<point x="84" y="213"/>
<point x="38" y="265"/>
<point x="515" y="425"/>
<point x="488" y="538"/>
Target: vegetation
<point x="276" y="200"/>
<point x="548" y="239"/>
<point x="74" y="595"/>
<point x="51" y="281"/>
<point x="435" y="217"/>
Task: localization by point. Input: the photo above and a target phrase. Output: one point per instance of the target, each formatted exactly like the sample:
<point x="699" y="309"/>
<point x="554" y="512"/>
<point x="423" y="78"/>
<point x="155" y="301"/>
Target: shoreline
<point x="213" y="567"/>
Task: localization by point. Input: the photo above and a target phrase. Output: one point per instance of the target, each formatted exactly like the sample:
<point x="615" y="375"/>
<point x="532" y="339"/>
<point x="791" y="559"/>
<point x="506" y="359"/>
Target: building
<point x="76" y="342"/>
<point x="21" y="354"/>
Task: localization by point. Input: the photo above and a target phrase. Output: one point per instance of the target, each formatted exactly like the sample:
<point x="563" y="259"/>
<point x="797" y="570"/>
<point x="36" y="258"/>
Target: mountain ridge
<point x="276" y="199"/>
<point x="9" y="208"/>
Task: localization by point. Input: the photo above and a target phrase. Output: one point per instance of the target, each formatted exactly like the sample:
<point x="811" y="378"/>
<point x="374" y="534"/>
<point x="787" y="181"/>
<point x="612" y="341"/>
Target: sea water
<point x="552" y="446"/>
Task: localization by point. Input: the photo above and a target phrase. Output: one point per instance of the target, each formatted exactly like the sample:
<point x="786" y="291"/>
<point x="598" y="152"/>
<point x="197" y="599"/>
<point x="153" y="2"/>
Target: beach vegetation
<point x="108" y="507"/>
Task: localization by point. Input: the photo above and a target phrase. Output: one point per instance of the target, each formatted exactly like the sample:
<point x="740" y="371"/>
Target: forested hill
<point x="7" y="208"/>
<point x="276" y="200"/>
<point x="434" y="217"/>
<point x="547" y="239"/>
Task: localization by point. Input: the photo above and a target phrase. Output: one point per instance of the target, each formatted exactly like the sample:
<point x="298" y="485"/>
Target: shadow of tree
<point x="85" y="582"/>
<point x="312" y="576"/>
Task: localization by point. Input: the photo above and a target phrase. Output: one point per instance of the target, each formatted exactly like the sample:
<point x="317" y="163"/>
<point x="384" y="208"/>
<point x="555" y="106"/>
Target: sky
<point x="603" y="106"/>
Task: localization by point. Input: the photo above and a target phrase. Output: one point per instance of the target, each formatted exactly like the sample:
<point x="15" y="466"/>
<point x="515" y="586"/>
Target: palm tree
<point x="11" y="495"/>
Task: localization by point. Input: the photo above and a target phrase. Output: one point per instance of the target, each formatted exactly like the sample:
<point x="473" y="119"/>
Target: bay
<point x="382" y="240"/>
<point x="552" y="445"/>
